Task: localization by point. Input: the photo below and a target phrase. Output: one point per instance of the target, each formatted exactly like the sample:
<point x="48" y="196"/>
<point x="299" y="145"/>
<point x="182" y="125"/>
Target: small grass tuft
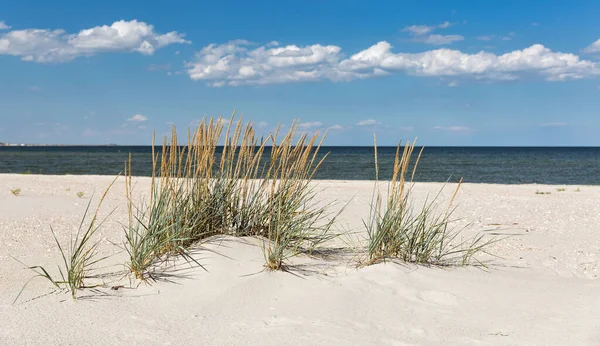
<point x="542" y="192"/>
<point x="80" y="194"/>
<point x="78" y="258"/>
<point x="16" y="191"/>
<point x="561" y="189"/>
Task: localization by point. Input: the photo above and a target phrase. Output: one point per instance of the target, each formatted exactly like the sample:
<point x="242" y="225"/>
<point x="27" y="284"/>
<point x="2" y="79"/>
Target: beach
<point x="541" y="285"/>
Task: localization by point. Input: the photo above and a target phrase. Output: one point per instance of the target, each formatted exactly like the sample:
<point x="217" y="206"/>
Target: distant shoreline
<point x="24" y="145"/>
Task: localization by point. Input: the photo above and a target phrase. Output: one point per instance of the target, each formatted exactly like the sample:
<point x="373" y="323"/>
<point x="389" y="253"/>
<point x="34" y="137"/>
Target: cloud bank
<point x="242" y="63"/>
<point x="45" y="45"/>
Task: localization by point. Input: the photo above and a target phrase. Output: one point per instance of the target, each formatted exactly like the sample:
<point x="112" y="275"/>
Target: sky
<point x="449" y="73"/>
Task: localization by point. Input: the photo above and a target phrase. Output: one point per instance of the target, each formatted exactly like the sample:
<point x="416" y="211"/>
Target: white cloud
<point x="368" y="122"/>
<point x="262" y="125"/>
<point x="138" y="118"/>
<point x="439" y="39"/>
<point x="310" y="125"/>
<point x="453" y="84"/>
<point x="234" y="64"/>
<point x="419" y="30"/>
<point x="336" y="127"/>
<point x="455" y="128"/>
<point x="593" y="48"/>
<point x="45" y="45"/>
<point x="3" y="25"/>
<point x="445" y="25"/>
<point x="536" y="59"/>
<point x="485" y="38"/>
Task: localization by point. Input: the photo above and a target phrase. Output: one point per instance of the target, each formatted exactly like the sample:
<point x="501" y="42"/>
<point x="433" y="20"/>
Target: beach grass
<point x="198" y="192"/>
<point x="78" y="257"/>
<point x="251" y="187"/>
<point x="16" y="191"/>
<point x="397" y="229"/>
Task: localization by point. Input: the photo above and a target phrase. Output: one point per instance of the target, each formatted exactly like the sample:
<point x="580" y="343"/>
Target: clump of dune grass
<point x="79" y="257"/>
<point x="80" y="194"/>
<point x="561" y="189"/>
<point x="399" y="229"/>
<point x="295" y="223"/>
<point x="16" y="191"/>
<point x="542" y="192"/>
<point x="197" y="193"/>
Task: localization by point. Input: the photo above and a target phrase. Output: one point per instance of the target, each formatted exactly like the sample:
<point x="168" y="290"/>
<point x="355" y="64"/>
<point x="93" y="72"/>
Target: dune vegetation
<point x="226" y="181"/>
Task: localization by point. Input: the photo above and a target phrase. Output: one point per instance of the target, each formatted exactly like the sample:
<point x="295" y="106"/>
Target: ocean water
<point x="500" y="165"/>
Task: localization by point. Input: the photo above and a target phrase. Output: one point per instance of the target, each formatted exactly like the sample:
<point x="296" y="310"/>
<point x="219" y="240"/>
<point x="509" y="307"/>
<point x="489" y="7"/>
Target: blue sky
<point x="447" y="72"/>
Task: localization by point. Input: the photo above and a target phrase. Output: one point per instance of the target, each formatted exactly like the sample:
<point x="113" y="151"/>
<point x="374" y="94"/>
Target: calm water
<point x="517" y="165"/>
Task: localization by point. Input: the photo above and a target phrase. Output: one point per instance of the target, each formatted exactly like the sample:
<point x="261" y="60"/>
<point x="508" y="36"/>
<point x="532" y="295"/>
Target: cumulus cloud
<point x="3" y="25"/>
<point x="138" y="118"/>
<point x="593" y="48"/>
<point x="537" y="59"/>
<point x="240" y="63"/>
<point x="310" y="125"/>
<point x="368" y="122"/>
<point x="234" y="63"/>
<point x="45" y="45"/>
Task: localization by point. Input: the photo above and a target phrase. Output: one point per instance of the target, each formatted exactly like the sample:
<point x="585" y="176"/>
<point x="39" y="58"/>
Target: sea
<point x="496" y="165"/>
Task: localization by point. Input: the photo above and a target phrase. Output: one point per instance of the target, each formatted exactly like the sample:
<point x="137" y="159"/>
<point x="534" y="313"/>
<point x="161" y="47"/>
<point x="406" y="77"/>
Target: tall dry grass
<point x="198" y="191"/>
<point x="419" y="234"/>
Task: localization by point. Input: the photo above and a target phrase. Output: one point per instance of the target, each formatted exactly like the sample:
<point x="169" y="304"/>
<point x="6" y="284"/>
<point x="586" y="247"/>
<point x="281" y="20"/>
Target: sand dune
<point x="544" y="289"/>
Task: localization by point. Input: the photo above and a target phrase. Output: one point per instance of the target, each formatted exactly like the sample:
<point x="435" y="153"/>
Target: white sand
<point x="544" y="290"/>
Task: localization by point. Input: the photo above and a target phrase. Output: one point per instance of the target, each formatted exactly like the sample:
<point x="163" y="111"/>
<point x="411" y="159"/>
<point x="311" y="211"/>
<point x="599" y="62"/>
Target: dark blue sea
<point x="500" y="165"/>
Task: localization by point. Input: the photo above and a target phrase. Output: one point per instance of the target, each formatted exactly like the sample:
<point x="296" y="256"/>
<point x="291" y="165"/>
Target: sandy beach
<point x="543" y="288"/>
